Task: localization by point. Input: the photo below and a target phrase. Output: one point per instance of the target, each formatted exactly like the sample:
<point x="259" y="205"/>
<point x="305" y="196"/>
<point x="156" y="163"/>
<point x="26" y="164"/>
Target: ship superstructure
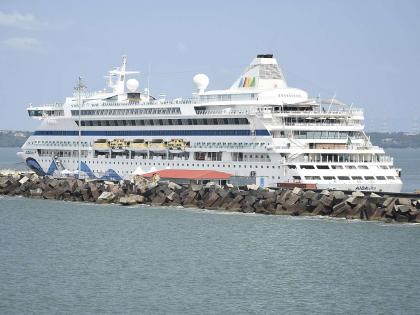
<point x="259" y="130"/>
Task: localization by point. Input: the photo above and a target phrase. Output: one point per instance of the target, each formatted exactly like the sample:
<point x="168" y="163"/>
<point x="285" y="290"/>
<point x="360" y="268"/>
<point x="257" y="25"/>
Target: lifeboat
<point x="177" y="145"/>
<point x="138" y="145"/>
<point x="101" y="145"/>
<point x="158" y="146"/>
<point x="118" y="145"/>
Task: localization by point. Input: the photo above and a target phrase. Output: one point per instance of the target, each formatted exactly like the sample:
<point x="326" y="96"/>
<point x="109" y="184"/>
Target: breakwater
<point x="247" y="199"/>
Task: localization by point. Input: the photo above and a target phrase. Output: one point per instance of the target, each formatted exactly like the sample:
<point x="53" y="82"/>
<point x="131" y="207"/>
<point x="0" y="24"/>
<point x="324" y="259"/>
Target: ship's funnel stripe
<point x="247" y="82"/>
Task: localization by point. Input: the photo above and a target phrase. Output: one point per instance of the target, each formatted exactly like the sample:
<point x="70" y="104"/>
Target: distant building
<point x="191" y="176"/>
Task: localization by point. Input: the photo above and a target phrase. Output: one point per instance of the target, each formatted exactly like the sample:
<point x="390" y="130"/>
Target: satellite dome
<point x="132" y="85"/>
<point x="201" y="81"/>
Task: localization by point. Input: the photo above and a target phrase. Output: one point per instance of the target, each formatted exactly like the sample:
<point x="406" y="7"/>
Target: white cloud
<point x="21" y="21"/>
<point x="25" y="44"/>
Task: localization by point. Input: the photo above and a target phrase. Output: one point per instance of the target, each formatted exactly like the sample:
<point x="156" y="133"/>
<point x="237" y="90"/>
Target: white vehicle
<point x="259" y="129"/>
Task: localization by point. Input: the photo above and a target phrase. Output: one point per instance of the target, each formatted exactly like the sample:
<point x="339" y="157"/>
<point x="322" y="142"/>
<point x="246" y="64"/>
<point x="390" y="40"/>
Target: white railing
<point x="53" y="105"/>
<point x="244" y="146"/>
<point x="324" y="124"/>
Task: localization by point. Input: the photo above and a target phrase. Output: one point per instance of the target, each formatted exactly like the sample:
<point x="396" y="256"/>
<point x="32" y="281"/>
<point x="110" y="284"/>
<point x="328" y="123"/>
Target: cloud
<point x="25" y="44"/>
<point x="21" y="21"/>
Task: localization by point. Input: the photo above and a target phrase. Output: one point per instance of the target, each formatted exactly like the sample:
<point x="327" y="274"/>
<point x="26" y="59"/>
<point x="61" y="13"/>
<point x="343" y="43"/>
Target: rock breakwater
<point x="247" y="199"/>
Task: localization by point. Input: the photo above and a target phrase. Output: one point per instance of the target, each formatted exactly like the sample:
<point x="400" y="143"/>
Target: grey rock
<point x="106" y="197"/>
<point x="174" y="186"/>
<point x="357" y="194"/>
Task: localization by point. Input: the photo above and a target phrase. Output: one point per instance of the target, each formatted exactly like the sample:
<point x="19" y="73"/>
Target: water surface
<point x="62" y="257"/>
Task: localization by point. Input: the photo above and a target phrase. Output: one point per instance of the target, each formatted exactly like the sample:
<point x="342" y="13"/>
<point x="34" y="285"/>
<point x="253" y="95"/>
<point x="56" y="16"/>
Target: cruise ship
<point x="259" y="131"/>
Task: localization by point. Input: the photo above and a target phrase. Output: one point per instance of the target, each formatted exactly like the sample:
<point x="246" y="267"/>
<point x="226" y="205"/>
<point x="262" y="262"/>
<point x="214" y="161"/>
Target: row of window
<point x="335" y="167"/>
<point x="41" y="112"/>
<point x="127" y="111"/>
<point x="167" y="164"/>
<point x="166" y="122"/>
<point x="169" y="133"/>
<point x="228" y="97"/>
<point x="344" y="177"/>
<point x="58" y="143"/>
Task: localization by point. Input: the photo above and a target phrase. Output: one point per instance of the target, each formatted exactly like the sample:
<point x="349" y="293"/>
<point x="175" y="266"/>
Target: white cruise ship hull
<point x="259" y="131"/>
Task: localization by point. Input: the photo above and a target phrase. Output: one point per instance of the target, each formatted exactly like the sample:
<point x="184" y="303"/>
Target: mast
<point x="79" y="88"/>
<point x="120" y="73"/>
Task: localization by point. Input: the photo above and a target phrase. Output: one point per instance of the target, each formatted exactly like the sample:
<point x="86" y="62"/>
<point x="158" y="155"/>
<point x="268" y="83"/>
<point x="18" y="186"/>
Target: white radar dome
<point x="201" y="81"/>
<point x="132" y="85"/>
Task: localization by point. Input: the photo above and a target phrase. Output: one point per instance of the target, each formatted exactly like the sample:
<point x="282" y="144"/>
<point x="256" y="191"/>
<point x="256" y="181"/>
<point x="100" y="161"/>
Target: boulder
<point x="159" y="198"/>
<point x="356" y="211"/>
<point x="131" y="200"/>
<point x="404" y="201"/>
<point x="195" y="187"/>
<point x="282" y="197"/>
<point x="357" y="194"/>
<point x="189" y="198"/>
<point x="210" y="198"/>
<point x="35" y="192"/>
<point x="49" y="194"/>
<point x="23" y="180"/>
<point x="355" y="200"/>
<point x="338" y="195"/>
<point x="252" y="187"/>
<point x="293" y="198"/>
<point x="234" y="205"/>
<point x="106" y="197"/>
<point x="341" y="209"/>
<point x="388" y="201"/>
<point x="5" y="181"/>
<point x="310" y="194"/>
<point x="174" y="186"/>
<point x="417" y="218"/>
<point x="401" y="218"/>
<point x="295" y="209"/>
<point x="297" y="191"/>
<point x="402" y="209"/>
<point x="326" y="200"/>
<point x="94" y="191"/>
<point x="321" y="210"/>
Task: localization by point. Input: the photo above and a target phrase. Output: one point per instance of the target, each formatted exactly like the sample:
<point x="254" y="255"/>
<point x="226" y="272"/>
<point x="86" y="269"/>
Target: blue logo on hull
<point x="34" y="165"/>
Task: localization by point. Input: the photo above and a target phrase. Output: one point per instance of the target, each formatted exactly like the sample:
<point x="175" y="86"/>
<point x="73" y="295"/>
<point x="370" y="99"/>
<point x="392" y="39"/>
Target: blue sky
<point x="365" y="52"/>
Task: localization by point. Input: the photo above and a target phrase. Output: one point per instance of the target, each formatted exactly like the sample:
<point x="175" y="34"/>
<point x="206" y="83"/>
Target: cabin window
<point x="322" y="167"/>
<point x="307" y="167"/>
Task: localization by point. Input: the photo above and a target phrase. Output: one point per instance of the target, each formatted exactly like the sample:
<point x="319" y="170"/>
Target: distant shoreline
<point x="397" y="140"/>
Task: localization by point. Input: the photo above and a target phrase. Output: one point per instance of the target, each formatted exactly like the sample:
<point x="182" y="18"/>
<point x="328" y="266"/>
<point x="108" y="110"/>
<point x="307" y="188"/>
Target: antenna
<point x="79" y="88"/>
<point x="118" y="86"/>
<point x="332" y="100"/>
<point x="148" y="81"/>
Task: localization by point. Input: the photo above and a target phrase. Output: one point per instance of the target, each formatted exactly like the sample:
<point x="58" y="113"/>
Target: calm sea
<point x="73" y="258"/>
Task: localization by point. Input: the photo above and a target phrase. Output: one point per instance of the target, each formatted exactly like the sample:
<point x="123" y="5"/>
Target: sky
<point x="365" y="53"/>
